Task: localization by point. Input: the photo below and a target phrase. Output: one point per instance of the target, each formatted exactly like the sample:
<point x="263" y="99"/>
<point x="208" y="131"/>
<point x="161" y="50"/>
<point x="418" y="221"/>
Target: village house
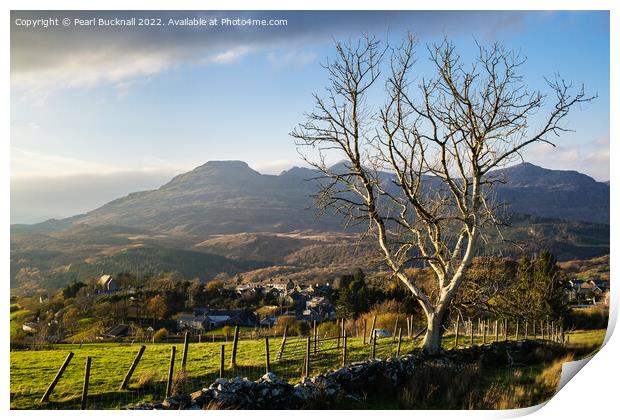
<point x="588" y="292"/>
<point x="268" y="322"/>
<point x="30" y="327"/>
<point x="116" y="332"/>
<point x="319" y="308"/>
<point x="108" y="283"/>
<point x="203" y="319"/>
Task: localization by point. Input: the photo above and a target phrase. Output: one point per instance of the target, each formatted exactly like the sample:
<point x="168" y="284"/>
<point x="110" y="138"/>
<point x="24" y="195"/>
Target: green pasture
<point x="32" y="371"/>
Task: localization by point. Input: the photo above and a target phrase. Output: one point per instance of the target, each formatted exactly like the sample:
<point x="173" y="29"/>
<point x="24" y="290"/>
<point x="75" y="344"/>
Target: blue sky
<point x="126" y="108"/>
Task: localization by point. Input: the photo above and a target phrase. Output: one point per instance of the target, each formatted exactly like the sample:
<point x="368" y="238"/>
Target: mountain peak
<point x="299" y="172"/>
<point x="219" y="164"/>
<point x="224" y="167"/>
<point x="214" y="171"/>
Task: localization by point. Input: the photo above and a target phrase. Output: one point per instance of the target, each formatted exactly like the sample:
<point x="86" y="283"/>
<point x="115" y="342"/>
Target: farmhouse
<point x="587" y="292"/>
<point x="117" y="331"/>
<point x="268" y="322"/>
<point x="108" y="283"/>
<point x="203" y="319"/>
<point x="30" y="327"/>
<point x="193" y="322"/>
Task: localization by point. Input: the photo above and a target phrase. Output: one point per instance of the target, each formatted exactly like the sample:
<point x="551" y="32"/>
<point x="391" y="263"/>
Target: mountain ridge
<point x="225" y="217"/>
<point x="233" y="188"/>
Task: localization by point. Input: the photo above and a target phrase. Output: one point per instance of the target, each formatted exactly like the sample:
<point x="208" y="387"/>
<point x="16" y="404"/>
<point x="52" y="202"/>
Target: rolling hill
<point x="225" y="217"/>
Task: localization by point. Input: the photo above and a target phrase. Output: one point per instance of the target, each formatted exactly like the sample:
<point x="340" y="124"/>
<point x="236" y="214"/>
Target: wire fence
<point x="113" y="375"/>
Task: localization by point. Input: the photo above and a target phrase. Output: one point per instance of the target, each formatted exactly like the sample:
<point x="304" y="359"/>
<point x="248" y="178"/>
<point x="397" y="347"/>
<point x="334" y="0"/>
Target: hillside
<point x="48" y="261"/>
<point x="594" y="269"/>
<point x="216" y="198"/>
<point x="226" y="217"/>
<point x="229" y="197"/>
<point x="566" y="195"/>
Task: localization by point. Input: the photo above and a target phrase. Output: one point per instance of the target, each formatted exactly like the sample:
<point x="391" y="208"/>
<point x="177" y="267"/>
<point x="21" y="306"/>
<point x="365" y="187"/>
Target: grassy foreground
<point x="32" y="371"/>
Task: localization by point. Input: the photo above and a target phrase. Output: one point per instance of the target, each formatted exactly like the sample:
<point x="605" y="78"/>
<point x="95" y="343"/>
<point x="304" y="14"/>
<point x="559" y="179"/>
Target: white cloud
<point x="29" y="164"/>
<point x="591" y="158"/>
<point x="88" y="69"/>
<point x="297" y="58"/>
<point x="228" y="56"/>
<point x="26" y="163"/>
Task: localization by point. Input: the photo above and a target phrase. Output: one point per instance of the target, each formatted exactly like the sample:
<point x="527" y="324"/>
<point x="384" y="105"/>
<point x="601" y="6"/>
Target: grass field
<point x="32" y="371"/>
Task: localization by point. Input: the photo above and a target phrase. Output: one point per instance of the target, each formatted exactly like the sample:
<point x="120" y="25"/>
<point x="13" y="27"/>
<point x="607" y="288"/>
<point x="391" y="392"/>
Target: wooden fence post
<point x="484" y="331"/>
<point x="343" y="331"/>
<point x="517" y="332"/>
<point x="85" y="385"/>
<point x="50" y="388"/>
<point x="471" y="333"/>
<point x="171" y="371"/>
<point x="372" y="328"/>
<point x="411" y="324"/>
<point x="534" y="329"/>
<point x="267" y="364"/>
<point x="496" y="332"/>
<point x="344" y="350"/>
<point x="373" y="338"/>
<point x="400" y="337"/>
<point x="456" y="332"/>
<point x="526" y="328"/>
<point x="282" y="344"/>
<point x="185" y="350"/>
<point x="233" y="355"/>
<point x="552" y="334"/>
<point x="315" y="332"/>
<point x="506" y="330"/>
<point x="308" y="357"/>
<point x="364" y="331"/>
<point x="408" y="327"/>
<point x="132" y="368"/>
<point x="339" y="327"/>
<point x="395" y="327"/>
<point x="222" y="350"/>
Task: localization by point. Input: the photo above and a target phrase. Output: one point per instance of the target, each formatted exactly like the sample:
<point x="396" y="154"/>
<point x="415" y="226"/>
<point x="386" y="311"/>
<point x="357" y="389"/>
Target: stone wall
<point x="352" y="383"/>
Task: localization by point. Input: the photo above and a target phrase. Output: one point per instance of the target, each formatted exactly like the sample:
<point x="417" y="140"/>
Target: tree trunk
<point x="434" y="332"/>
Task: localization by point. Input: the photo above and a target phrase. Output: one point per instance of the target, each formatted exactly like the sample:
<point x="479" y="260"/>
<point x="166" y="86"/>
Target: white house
<point x="108" y="283"/>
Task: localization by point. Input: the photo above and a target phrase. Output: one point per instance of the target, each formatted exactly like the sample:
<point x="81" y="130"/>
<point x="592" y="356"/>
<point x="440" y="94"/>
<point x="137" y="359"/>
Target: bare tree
<point x="439" y="139"/>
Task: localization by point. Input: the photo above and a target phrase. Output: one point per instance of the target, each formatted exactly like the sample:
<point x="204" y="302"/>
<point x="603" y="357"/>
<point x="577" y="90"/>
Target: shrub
<point x="160" y="335"/>
<point x="302" y="328"/>
<point x="592" y="318"/>
<point x="180" y="382"/>
<point x="286" y="321"/>
<point x="148" y="378"/>
<point x="228" y="331"/>
<point x="328" y="329"/>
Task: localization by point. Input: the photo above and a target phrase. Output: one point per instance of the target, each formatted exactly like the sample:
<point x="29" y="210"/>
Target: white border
<point x="591" y="394"/>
